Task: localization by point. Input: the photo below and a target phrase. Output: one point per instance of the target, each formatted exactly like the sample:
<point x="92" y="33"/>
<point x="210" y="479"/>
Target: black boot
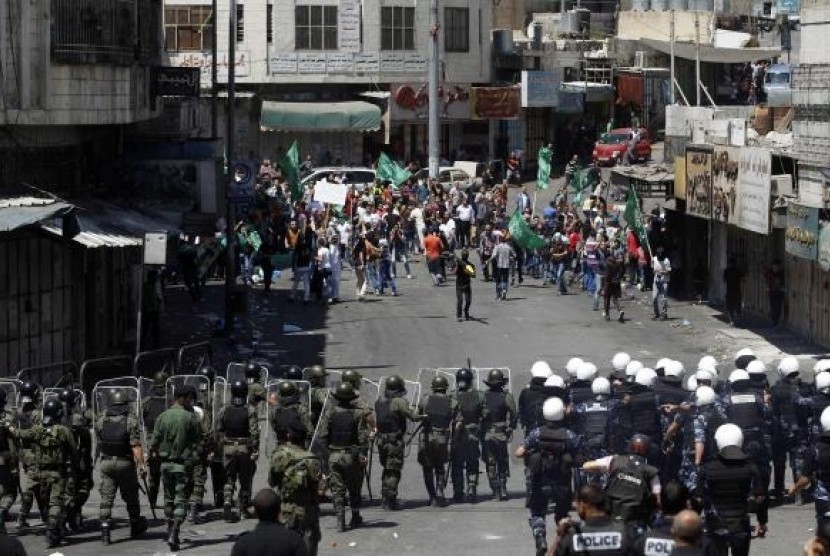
<point x="393" y="502"/>
<point x="439" y="487"/>
<point x="106" y="527"/>
<point x="541" y="542"/>
<point x="503" y="488"/>
<point x="138" y="527"/>
<point x="4" y="517"/>
<point x="471" y="494"/>
<point x="53" y="534"/>
<point x="356" y="520"/>
<point x="227" y="513"/>
<point x="173" y="538"/>
<point x="429" y="483"/>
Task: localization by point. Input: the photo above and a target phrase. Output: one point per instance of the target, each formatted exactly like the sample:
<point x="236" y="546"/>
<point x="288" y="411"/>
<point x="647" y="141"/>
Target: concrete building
<point x="339" y="51"/>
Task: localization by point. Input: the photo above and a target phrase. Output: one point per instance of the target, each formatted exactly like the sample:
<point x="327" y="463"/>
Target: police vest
<point x="286" y="419"/>
<point x="669" y="391"/>
<point x="629" y="487"/>
<point x="607" y="539"/>
<point x="729" y="485"/>
<point x="645" y="419"/>
<point x="469" y="403"/>
<point x="530" y="405"/>
<point x="494" y="402"/>
<point x="657" y="543"/>
<point x="439" y="410"/>
<point x="235" y="422"/>
<point x="744" y="411"/>
<point x="581" y="392"/>
<point x="784" y="394"/>
<point x="153" y="407"/>
<point x="550" y="460"/>
<point x="343" y="429"/>
<point x="389" y="422"/>
<point x="595" y="419"/>
<point x="713" y="420"/>
<point x="115" y="438"/>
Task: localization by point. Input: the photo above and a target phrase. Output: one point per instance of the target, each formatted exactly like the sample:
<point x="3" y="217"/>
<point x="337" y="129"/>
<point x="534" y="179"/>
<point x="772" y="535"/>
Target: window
<point x="397" y="28"/>
<point x="240" y="23"/>
<point x="315" y="27"/>
<point x="456" y="30"/>
<point x="188" y="28"/>
<point x="269" y="23"/>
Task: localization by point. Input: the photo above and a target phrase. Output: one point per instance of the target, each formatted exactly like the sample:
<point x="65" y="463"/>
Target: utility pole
<point x="214" y="93"/>
<point x="434" y="123"/>
<point x="672" y="39"/>
<point x="697" y="58"/>
<point x="230" y="258"/>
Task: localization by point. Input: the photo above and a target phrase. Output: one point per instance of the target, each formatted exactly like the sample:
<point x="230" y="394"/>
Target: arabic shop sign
<point x="176" y="82"/>
<point x="801" y="236"/>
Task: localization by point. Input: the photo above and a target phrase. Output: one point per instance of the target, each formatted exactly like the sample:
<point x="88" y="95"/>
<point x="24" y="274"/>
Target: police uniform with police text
<point x="595" y="536"/>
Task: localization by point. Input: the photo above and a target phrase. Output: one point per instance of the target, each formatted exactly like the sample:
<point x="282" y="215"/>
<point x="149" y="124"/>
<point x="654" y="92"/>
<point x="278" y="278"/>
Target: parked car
<point x="447" y="175"/>
<point x="612" y="147"/>
<point x="360" y="177"/>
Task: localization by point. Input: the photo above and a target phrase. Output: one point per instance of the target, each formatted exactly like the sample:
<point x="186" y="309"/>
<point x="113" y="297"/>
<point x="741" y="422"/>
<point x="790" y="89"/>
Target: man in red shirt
<point x="433" y="246"/>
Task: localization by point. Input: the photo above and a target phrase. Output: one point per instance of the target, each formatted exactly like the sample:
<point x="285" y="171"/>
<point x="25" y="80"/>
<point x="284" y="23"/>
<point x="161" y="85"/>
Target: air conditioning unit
<point x="782" y="185"/>
<point x="639" y="59"/>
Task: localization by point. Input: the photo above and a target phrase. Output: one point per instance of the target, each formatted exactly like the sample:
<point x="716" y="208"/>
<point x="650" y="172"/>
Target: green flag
<point x="522" y="234"/>
<point x="634" y="218"/>
<point x="543" y="173"/>
<point x="389" y="170"/>
<point x="290" y="165"/>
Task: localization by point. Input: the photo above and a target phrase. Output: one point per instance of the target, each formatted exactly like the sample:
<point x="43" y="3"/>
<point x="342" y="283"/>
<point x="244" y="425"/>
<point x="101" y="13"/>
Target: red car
<point x="612" y="147"/>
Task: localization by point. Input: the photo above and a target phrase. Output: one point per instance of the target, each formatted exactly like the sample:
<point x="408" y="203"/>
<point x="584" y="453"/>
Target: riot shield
<point x="148" y="363"/>
<point x="52" y="394"/>
<point x="236" y="371"/>
<point x="11" y="386"/>
<point x="192" y="357"/>
<point x="53" y="375"/>
<point x="316" y="446"/>
<point x="200" y="382"/>
<point x="95" y="370"/>
<point x="369" y="391"/>
<point x="304" y="388"/>
<point x="413" y="390"/>
<point x="481" y="376"/>
<point x="425" y="377"/>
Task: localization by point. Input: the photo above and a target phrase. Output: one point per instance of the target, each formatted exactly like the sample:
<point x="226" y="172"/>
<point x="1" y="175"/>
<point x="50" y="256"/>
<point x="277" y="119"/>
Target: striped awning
<point x="320" y="116"/>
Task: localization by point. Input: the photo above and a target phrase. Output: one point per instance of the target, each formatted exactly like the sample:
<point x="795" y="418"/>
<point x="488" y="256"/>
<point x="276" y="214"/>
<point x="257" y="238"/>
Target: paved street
<point x="386" y="335"/>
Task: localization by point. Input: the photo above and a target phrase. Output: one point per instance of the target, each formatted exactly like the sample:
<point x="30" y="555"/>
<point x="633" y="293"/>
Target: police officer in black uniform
<point x="80" y="482"/>
<point x="789" y="427"/>
<point x="658" y="540"/>
<point x="817" y="472"/>
<point x="669" y="390"/>
<point x="239" y="427"/>
<point x="290" y="413"/>
<point x="531" y="399"/>
<point x="151" y="407"/>
<point x="580" y="388"/>
<point x="644" y="412"/>
<point x="598" y="533"/>
<point x="466" y="438"/>
<point x="433" y="446"/>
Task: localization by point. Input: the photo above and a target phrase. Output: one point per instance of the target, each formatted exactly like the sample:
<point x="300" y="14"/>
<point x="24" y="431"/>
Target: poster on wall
<point x="496" y="103"/>
<point x="801" y="235"/>
<point x="725" y="181"/>
<point x="409" y="102"/>
<point x="348" y="26"/>
<point x="699" y="182"/>
<point x="754" y="182"/>
<point x="824" y="245"/>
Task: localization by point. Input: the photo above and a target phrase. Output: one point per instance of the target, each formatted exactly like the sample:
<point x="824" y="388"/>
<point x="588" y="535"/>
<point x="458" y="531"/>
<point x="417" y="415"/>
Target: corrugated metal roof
<point x="25" y="201"/>
<point x="21" y="211"/>
<point x="94" y="239"/>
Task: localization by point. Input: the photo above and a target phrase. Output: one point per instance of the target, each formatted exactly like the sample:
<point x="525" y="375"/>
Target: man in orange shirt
<point x="433" y="248"/>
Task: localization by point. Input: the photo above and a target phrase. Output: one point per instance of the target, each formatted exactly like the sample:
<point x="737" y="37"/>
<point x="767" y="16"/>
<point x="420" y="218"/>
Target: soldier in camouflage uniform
<point x="498" y="423"/>
<point x="466" y="438"/>
<point x="392" y="413"/>
<point x="176" y="439"/>
<point x="343" y="430"/>
<point x="296" y="473"/>
<point x="119" y="444"/>
<point x="289" y="410"/>
<point x="238" y="427"/>
<point x="54" y="447"/>
<point x="440" y="412"/>
<point x="152" y="407"/>
<point x="28" y="416"/>
<point x="203" y="408"/>
<point x="80" y="482"/>
<point x="319" y="392"/>
<point x="257" y="393"/>
<point x="8" y="463"/>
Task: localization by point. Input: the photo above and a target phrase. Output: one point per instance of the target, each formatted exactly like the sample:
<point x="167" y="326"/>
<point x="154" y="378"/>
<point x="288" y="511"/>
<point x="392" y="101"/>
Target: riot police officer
<point x="789" y="435"/>
<point x="289" y="411"/>
<point x="238" y="427"/>
<point x="8" y="463"/>
<point x="152" y="407"/>
<point x="580" y="389"/>
<point x="591" y="423"/>
<point x="817" y="471"/>
<point x="80" y="482"/>
<point x="758" y="377"/>
<point x="727" y="482"/>
<point x="550" y="451"/>
<point x="319" y="392"/>
<point x="531" y="399"/>
<point x="28" y="416"/>
<point x="669" y="390"/>
<point x="815" y="405"/>
<point x="439" y="411"/>
<point x="466" y="438"/>
<point x="257" y="393"/>
<point x="119" y="445"/>
<point x="498" y="422"/>
<point x="644" y="412"/>
<point x="392" y="412"/>
<point x="618" y="364"/>
<point x="597" y="530"/>
<point x="203" y="408"/>
<point x="343" y="431"/>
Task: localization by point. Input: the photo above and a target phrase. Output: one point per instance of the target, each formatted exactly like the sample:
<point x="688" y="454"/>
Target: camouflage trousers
<point x="118" y="473"/>
<point x="29" y="488"/>
<point x="9" y="482"/>
<point x="688" y="469"/>
<point x="464" y="456"/>
<point x="175" y="478"/>
<point x="153" y="479"/>
<point x="239" y="467"/>
<point x="391" y="449"/>
<point x="346" y="477"/>
<point x="496" y="460"/>
<point x="50" y="486"/>
<point x="198" y="482"/>
<point x="78" y="486"/>
<point x="305" y="520"/>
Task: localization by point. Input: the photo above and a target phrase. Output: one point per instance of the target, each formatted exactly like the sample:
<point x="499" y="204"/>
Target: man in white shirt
<point x="344" y="231"/>
<point x="336" y="265"/>
<point x="465" y="214"/>
<point x="448" y="229"/>
<point x="416" y="215"/>
<point x="662" y="273"/>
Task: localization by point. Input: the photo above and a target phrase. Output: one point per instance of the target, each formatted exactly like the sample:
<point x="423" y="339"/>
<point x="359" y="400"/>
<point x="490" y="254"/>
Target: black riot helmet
<point x="239" y="391"/>
<point x="209" y="372"/>
<point x="52" y="412"/>
<point x="118" y="398"/>
<point x="252" y="372"/>
<point x="639" y="444"/>
<point x="395" y="385"/>
<point x="463" y="379"/>
<point x="288" y="390"/>
<point x="29" y="392"/>
<point x="160" y="378"/>
<point x="317" y="374"/>
<point x="294" y="373"/>
<point x="67" y="396"/>
<point x="352" y="377"/>
<point x="344" y="392"/>
<point x="440" y="384"/>
<point x="495" y="378"/>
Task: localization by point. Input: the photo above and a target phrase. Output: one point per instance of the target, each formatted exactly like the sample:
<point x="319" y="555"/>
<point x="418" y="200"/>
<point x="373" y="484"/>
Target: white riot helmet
<point x="729" y="435"/>
<point x="645" y="377"/>
<point x="675" y="369"/>
<point x="709" y="362"/>
<point x="788" y="366"/>
<point x="825" y="419"/>
<point x="661" y="363"/>
<point x="540" y="369"/>
<point x="632" y="368"/>
<point x="756" y="367"/>
<point x="821" y="365"/>
<point x="744" y="353"/>
<point x="737" y="375"/>
<point x="553" y="410"/>
<point x="704" y="395"/>
<point x="705" y="374"/>
<point x="555" y="381"/>
<point x="601" y="386"/>
<point x="691" y="384"/>
<point x="620" y="360"/>
<point x="822" y="381"/>
<point x="573" y="365"/>
<point x="586" y="371"/>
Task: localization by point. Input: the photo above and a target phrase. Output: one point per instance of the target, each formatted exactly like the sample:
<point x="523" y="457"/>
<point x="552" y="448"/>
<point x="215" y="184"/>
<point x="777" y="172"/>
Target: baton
<point x="146" y="492"/>
<point x="368" y="469"/>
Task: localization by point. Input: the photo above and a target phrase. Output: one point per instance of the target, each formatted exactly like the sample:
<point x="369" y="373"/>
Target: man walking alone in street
<point x="465" y="271"/>
<point x="662" y="272"/>
<point x="503" y="257"/>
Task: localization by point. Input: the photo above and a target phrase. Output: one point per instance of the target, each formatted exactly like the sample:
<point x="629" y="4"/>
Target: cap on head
<point x="463" y="378"/>
<point x="586" y="371"/>
<point x="318" y="371"/>
<point x="674" y="369"/>
<point x="555" y="381"/>
<point x="729" y="435"/>
<point x="738" y="375"/>
<point x="287" y="389"/>
<point x="756" y="367"/>
<point x="294" y="372"/>
<point x="352" y="377"/>
<point x="495" y="378"/>
<point x="788" y="366"/>
<point x="825" y="420"/>
<point x="573" y="365"/>
<point x="822" y="381"/>
<point x="620" y="360"/>
<point x="344" y="392"/>
<point x="553" y="410"/>
<point x="645" y="377"/>
<point x="160" y="378"/>
<point x="540" y="369"/>
<point x="704" y="395"/>
<point x="632" y="368"/>
<point x="601" y="386"/>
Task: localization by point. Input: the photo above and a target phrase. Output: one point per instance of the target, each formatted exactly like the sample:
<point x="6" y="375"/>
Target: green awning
<point x="320" y="116"/>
